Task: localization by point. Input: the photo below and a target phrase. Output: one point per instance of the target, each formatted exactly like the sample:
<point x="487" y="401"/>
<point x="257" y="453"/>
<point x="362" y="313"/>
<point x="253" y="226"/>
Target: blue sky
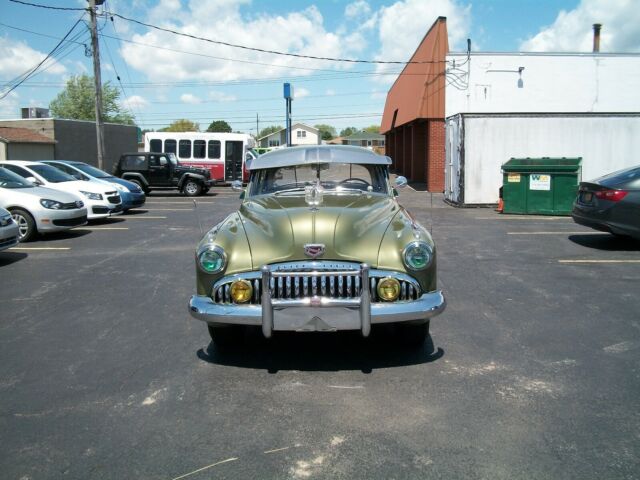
<point x="178" y="78"/>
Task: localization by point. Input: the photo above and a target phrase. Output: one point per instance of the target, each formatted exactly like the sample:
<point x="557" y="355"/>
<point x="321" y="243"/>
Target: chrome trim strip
<point x="365" y="302"/>
<point x="267" y="308"/>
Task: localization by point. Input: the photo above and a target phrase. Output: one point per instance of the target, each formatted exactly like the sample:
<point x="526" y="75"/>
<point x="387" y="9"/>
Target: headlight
<point x="52" y="204"/>
<point x="389" y="289"/>
<point x="6" y="220"/>
<point x="241" y="291"/>
<point x="91" y="195"/>
<point x="417" y="255"/>
<point x="212" y="259"/>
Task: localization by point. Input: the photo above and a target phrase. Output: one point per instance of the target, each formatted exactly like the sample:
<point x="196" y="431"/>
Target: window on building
<point x="301" y="133"/>
<point x="213" y="149"/>
<point x="199" y="148"/>
<point x="274" y="143"/>
<point x="184" y="149"/>
<point x="170" y="146"/>
<point x="155" y="145"/>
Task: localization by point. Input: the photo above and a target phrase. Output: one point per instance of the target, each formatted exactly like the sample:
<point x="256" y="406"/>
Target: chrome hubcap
<point x="191" y="187"/>
<point x="23" y="226"/>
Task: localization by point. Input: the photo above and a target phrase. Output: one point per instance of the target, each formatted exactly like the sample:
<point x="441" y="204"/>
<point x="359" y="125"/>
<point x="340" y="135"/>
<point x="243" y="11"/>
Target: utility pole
<point x="98" y="81"/>
<point x="257" y="126"/>
<point x="288" y="96"/>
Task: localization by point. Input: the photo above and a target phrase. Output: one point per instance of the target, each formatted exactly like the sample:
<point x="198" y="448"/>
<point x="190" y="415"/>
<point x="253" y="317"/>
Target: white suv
<point x="39" y="209"/>
<point x="101" y="200"/>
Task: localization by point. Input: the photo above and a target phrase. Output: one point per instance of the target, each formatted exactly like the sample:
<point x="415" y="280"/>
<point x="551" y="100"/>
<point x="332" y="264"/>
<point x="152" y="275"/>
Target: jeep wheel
<point x="191" y="188"/>
<point x="412" y="335"/>
<point x="139" y="183"/>
<point x="226" y="338"/>
<point x="26" y="224"/>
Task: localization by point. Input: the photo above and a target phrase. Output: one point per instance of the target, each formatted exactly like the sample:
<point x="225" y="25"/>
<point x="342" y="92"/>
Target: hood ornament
<point x="314" y="250"/>
<point x="313" y="195"/>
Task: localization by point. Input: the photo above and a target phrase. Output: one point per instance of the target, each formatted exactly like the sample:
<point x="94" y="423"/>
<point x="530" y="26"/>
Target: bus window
<point x="184" y="149"/>
<point x="214" y="149"/>
<point x="199" y="147"/>
<point x="170" y="146"/>
<point x="155" y="145"/>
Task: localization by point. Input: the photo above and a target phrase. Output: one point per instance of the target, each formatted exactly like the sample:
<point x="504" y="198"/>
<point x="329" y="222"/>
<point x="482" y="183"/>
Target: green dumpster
<point x="544" y="186"/>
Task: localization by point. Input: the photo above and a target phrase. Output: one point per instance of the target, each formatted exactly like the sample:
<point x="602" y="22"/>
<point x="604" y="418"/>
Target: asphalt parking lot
<point x="533" y="371"/>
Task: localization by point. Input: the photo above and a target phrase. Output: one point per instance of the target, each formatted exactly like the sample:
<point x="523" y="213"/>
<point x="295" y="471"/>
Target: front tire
<point x="412" y="335"/>
<point x="27" y="229"/>
<point x="192" y="188"/>
<point x="226" y="338"/>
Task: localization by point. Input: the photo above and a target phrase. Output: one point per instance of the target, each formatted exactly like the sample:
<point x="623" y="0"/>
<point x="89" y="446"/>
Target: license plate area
<point x="586" y="197"/>
<point x="316" y="319"/>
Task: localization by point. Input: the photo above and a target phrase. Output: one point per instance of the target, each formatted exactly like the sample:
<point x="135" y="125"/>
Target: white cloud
<point x="572" y="31"/>
<point x="299" y="32"/>
<point x="16" y="57"/>
<point x="403" y="25"/>
<point x="10" y="106"/>
<point x="301" y="92"/>
<point x="359" y="8"/>
<point x="221" y="96"/>
<point x="135" y="102"/>
<point x="330" y="92"/>
<point x="189" y="98"/>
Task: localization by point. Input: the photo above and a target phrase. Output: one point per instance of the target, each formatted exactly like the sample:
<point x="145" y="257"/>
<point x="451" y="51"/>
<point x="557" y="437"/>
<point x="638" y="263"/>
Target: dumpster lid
<point x="543" y="164"/>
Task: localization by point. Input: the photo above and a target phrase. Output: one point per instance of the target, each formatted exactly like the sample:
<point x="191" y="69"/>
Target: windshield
<point x="11" y="180"/>
<point x="51" y="174"/>
<point x="91" y="171"/>
<point x="333" y="177"/>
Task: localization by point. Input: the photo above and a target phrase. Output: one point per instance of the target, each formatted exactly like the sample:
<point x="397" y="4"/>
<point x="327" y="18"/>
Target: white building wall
<point x="489" y="83"/>
<point x="605" y="143"/>
<point x="310" y="138"/>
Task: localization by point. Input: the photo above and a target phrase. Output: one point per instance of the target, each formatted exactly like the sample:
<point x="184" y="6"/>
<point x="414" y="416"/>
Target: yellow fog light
<point x="389" y="289"/>
<point x="241" y="291"/>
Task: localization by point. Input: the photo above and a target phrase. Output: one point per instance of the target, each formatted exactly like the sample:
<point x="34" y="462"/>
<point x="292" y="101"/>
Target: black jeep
<point x="161" y="170"/>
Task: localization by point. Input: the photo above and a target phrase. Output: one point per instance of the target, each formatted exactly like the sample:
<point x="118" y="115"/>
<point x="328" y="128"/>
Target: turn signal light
<point x="389" y="289"/>
<point x="611" y="195"/>
<point x="241" y="291"/>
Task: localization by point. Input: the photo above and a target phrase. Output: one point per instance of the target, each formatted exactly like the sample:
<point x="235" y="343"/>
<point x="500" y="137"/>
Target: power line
<point x="49" y="7"/>
<point x="242" y="47"/>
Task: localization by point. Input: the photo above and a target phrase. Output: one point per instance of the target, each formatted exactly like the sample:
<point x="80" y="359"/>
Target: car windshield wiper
<point x="289" y="190"/>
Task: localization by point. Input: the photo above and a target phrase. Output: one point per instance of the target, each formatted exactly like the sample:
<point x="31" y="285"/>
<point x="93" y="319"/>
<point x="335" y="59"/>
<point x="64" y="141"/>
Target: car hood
<point x="351" y="227"/>
<point x="78" y="186"/>
<point x="16" y="196"/>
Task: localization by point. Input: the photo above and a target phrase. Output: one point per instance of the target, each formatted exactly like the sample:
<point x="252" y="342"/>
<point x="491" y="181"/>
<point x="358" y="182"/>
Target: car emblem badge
<point x="314" y="250"/>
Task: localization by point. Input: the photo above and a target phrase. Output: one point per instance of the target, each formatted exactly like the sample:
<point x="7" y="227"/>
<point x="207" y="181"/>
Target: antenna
<point x="195" y="209"/>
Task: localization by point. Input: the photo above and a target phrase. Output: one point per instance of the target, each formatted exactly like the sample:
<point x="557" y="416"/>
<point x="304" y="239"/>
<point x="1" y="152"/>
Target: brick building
<point x="414" y="112"/>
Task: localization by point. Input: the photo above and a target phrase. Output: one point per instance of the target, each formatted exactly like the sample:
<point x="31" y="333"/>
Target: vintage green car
<point x="319" y="244"/>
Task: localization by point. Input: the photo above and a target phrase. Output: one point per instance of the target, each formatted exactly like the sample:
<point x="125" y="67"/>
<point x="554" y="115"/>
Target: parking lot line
<point x="599" y="261"/>
<point x="554" y="233"/>
<point x="40" y="248"/>
<point x="522" y="217"/>
<point x="102" y="228"/>
<point x="144" y="217"/>
<point x="168" y="209"/>
<point x="184" y="202"/>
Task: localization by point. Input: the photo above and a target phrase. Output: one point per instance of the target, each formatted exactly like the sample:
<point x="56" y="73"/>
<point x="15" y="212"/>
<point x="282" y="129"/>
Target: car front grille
<point x="7" y="242"/>
<point x="72" y="205"/>
<point x="113" y="198"/>
<point x="317" y="279"/>
<point x="70" y="222"/>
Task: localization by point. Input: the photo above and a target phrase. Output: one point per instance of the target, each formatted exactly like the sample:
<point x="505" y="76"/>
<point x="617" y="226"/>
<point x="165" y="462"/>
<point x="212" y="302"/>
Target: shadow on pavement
<point x="322" y="352"/>
<point x="76" y="232"/>
<point x="7" y="258"/>
<point x="607" y="242"/>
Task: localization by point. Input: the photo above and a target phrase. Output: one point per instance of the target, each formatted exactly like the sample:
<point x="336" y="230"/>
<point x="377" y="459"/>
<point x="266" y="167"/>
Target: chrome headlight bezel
<point x="50" y="204"/>
<point x="417" y="247"/>
<point x="92" y="195"/>
<point x="211" y="250"/>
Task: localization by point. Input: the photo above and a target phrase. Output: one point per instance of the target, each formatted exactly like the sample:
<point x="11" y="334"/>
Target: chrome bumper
<point x="316" y="313"/>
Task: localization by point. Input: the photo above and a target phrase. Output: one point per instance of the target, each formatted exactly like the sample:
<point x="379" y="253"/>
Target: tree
<point x="327" y="132"/>
<point x="345" y="132"/>
<point x="372" y="129"/>
<point x="182" y="125"/>
<point x="269" y="130"/>
<point x="219" y="126"/>
<point x="77" y="102"/>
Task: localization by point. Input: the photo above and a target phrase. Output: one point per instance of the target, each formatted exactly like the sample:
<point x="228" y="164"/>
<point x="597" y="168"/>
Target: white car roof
<point x="305" y="155"/>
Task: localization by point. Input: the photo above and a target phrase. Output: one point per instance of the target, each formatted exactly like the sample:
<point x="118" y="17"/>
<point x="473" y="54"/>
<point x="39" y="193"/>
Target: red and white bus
<point x="223" y="154"/>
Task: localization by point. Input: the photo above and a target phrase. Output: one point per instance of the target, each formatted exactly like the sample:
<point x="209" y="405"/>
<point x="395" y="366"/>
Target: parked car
<point x="101" y="200"/>
<point x="8" y="230"/>
<point x="611" y="203"/>
<point x="159" y="170"/>
<point x="319" y="244"/>
<point x="39" y="209"/>
<point x="131" y="193"/>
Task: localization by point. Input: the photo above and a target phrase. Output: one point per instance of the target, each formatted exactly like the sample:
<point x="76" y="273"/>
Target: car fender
<point x="135" y="176"/>
<point x="194" y="176"/>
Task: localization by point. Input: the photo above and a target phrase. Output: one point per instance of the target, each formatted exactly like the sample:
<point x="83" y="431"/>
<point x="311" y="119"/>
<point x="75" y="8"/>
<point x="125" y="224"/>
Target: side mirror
<point x="33" y="180"/>
<point x="401" y="182"/>
<point x="236" y="186"/>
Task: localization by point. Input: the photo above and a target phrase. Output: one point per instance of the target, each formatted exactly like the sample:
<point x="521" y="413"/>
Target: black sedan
<point x="611" y="203"/>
